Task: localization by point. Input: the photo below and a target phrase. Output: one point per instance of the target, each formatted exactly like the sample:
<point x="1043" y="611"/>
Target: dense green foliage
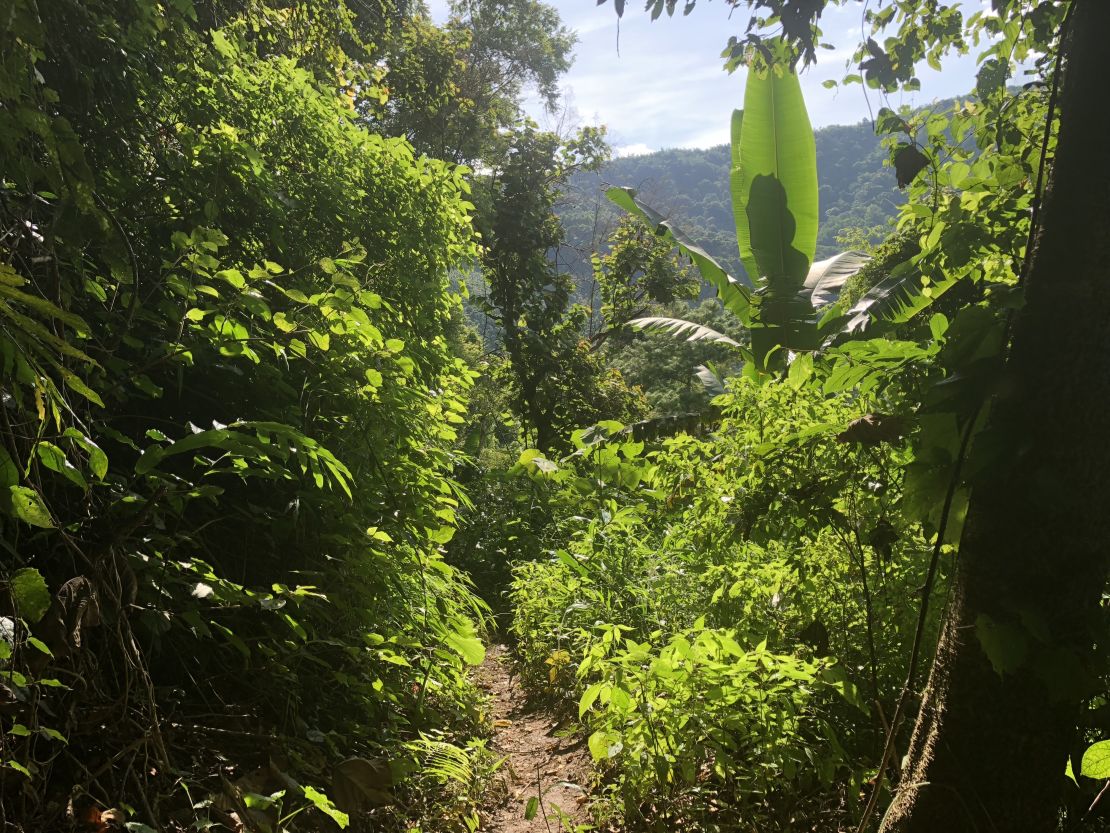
<point x="230" y="415"/>
<point x="709" y="621"/>
<point x="644" y="614"/>
<point x="297" y="409"/>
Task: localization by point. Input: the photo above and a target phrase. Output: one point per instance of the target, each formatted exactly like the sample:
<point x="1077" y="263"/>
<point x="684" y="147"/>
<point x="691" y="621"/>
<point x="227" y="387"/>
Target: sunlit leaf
<point x="690" y="330"/>
<point x="30" y="593"/>
<point x="1096" y="761"/>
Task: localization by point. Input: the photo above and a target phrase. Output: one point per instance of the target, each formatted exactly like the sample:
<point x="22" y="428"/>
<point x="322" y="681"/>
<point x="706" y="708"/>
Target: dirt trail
<point x="539" y="764"/>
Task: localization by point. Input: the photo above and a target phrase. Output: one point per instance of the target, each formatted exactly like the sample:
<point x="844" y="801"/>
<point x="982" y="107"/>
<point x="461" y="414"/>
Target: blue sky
<point x="666" y="88"/>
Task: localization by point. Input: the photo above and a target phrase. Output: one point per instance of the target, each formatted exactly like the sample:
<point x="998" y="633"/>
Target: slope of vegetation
<point x="229" y="423"/>
<point x="696" y="615"/>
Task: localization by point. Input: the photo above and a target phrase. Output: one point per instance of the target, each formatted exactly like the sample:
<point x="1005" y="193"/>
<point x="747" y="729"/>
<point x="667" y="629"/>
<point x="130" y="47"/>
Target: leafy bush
<point x="228" y="442"/>
<point x="702" y="722"/>
<point x="708" y="595"/>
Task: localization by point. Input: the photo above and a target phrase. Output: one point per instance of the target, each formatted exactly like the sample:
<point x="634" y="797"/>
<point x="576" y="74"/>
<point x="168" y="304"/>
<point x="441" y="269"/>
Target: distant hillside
<point x="692" y="186"/>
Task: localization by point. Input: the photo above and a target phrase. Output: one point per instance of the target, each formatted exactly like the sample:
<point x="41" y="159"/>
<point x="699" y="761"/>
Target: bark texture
<point x="988" y="750"/>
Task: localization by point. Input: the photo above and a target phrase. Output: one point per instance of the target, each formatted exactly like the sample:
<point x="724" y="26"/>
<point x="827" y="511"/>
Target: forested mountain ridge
<point x="857" y="191"/>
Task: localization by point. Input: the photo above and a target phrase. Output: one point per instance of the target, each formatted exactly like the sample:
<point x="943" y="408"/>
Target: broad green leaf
<point x="320" y="340"/>
<point x="98" y="460"/>
<point x="25" y="504"/>
<point x="326" y="806"/>
<point x="18" y="767"/>
<point x="774" y="183"/>
<point x="467" y="646"/>
<point x="588" y="698"/>
<point x="531" y="808"/>
<point x="54" y="459"/>
<point x="221" y="43"/>
<point x="441" y="535"/>
<point x="599" y="745"/>
<point x="52" y="734"/>
<point x="1096" y="761"/>
<point x="800" y="371"/>
<point x="30" y="593"/>
<point x="233" y="277"/>
<point x="620" y="699"/>
<point x="282" y="322"/>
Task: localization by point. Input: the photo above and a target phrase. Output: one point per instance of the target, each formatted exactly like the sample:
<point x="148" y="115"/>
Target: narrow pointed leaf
<point x="691" y="330"/>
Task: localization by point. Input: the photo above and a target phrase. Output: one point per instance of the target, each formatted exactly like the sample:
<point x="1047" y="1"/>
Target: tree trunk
<point x="989" y="749"/>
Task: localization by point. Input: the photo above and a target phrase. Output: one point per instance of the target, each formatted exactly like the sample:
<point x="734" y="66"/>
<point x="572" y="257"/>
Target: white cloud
<point x="637" y="149"/>
<point x="661" y="84"/>
<point x="710" y="137"/>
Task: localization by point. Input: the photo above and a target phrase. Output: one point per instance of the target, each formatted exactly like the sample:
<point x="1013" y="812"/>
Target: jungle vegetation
<point x="323" y="367"/>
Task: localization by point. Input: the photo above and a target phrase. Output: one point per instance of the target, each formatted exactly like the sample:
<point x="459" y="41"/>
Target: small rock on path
<point x="555" y="769"/>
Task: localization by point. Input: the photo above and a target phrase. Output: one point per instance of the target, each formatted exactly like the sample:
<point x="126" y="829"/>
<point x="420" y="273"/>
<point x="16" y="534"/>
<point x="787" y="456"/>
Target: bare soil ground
<point x="556" y="770"/>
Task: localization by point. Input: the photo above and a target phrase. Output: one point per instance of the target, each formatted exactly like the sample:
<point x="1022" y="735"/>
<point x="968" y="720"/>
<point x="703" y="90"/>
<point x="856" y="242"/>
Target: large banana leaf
<point x="681" y="327"/>
<point x="897" y="298"/>
<point x="774" y="183"/>
<point x="774" y="196"/>
<point x="734" y="295"/>
<point x="774" y="202"/>
<point x="827" y="277"/>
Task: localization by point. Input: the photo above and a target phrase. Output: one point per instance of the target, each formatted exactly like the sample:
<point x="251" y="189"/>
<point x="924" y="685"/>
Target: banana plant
<point x="773" y="181"/>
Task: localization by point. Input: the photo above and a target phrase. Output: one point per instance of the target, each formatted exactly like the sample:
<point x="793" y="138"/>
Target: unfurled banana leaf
<point x="896" y="298"/>
<point x="733" y="294"/>
<point x="826" y="278"/>
<point x="775" y="205"/>
<point x="710" y="377"/>
<point x="692" y="330"/>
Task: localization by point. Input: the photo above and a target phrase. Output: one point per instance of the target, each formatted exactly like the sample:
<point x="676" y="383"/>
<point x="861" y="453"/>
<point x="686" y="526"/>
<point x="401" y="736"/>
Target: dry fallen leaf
<point x="362" y="781"/>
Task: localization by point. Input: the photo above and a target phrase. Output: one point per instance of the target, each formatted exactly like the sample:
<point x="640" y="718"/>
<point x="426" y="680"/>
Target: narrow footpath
<point x="555" y="770"/>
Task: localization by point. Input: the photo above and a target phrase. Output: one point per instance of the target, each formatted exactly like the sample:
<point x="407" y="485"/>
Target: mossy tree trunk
<point x="989" y="749"/>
